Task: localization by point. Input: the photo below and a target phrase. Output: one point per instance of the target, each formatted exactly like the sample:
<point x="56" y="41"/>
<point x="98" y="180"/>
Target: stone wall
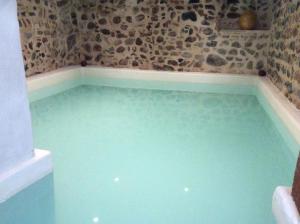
<point x="284" y="50"/>
<point x="49" y="34"/>
<point x="144" y="34"/>
<point x="175" y="36"/>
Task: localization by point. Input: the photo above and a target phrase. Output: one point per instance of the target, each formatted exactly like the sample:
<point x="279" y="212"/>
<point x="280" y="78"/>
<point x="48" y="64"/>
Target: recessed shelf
<point x="244" y="31"/>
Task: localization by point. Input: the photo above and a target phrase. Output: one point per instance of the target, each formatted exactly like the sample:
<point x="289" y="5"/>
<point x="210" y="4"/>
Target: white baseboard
<point x="150" y="75"/>
<point x="52" y="78"/>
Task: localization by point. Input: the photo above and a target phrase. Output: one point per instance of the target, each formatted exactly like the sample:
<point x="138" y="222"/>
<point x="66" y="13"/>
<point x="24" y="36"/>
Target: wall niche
<point x="233" y="9"/>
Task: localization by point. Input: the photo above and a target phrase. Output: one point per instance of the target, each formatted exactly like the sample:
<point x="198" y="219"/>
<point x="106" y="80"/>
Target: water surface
<point x="137" y="156"/>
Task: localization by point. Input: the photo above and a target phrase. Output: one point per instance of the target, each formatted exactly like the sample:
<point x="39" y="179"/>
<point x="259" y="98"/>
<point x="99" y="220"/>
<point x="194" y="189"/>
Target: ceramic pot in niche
<point x="248" y="20"/>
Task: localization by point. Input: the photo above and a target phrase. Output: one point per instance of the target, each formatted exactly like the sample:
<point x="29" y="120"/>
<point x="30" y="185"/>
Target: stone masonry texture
<point x="172" y="35"/>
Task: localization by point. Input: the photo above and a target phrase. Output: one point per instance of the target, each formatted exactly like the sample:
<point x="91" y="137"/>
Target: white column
<point x="15" y="123"/>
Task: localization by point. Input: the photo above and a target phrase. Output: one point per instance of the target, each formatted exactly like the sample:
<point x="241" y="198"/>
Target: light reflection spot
<point x="95" y="220"/>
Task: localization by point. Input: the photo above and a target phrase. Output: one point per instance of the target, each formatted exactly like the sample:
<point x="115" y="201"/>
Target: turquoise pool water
<point x="137" y="156"/>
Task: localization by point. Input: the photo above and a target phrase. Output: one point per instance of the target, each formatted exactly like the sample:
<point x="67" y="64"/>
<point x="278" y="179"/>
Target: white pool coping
<point x="24" y="174"/>
<point x="285" y="110"/>
<point x="52" y="78"/>
<point x="283" y="206"/>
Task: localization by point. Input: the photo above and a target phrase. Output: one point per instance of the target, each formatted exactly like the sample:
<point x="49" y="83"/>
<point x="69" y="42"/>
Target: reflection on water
<point x="34" y="205"/>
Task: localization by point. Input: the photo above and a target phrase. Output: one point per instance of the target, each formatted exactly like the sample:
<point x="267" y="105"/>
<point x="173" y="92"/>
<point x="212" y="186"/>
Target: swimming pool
<point x="160" y="153"/>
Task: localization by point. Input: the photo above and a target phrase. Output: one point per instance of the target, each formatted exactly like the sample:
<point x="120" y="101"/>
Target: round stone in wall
<point x="116" y="19"/>
<point x="215" y="60"/>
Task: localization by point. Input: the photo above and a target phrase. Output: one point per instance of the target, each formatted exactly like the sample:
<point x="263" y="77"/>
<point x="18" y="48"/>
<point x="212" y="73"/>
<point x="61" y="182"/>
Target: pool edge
<point x="283" y="206"/>
<point x="284" y="109"/>
<point x="286" y="112"/>
<point x="25" y="174"/>
<point x="271" y="99"/>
